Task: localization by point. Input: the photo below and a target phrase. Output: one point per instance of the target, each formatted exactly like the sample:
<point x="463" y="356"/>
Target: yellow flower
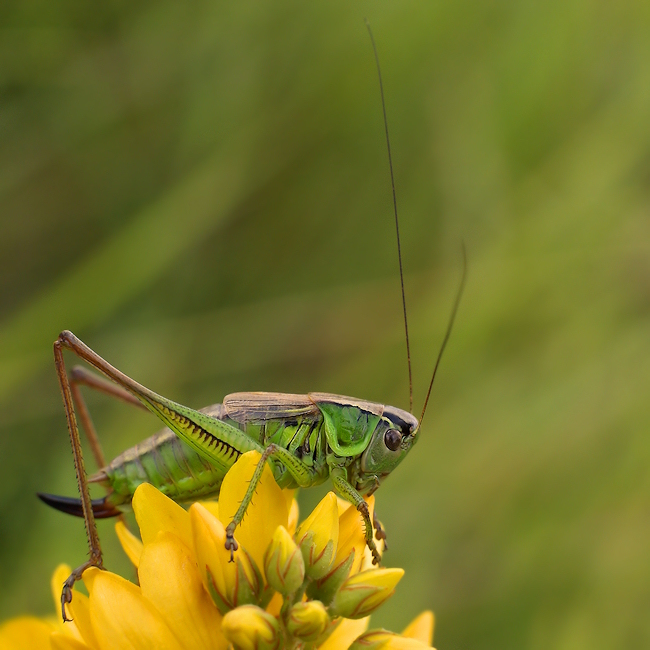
<point x="421" y="628"/>
<point x="349" y="553"/>
<point x="251" y="628"/>
<point x="383" y="640"/>
<point x="362" y="593"/>
<point x="283" y="564"/>
<point x="283" y="589"/>
<point x="345" y="634"/>
<point x="25" y="632"/>
<point x="307" y="621"/>
<point x="230" y="583"/>
<point x="318" y="537"/>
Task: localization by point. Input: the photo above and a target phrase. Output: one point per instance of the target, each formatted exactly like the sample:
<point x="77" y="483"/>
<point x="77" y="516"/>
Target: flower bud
<point x="349" y="554"/>
<point x="283" y="563"/>
<point x="318" y="537"/>
<point x="308" y="620"/>
<point x="230" y="583"/>
<point x="325" y="588"/>
<point x="363" y="592"/>
<point x="421" y="627"/>
<point x="251" y="628"/>
<point x="384" y="640"/>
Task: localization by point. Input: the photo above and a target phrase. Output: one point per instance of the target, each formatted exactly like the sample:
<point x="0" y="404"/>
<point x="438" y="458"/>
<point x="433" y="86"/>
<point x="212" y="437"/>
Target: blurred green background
<point x="200" y="191"/>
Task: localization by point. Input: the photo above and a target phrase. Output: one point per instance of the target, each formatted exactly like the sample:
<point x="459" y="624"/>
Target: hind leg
<point x="72" y="396"/>
<point x="82" y="481"/>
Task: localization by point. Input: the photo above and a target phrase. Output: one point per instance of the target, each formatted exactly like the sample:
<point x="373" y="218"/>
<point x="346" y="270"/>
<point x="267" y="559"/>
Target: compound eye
<point x="393" y="439"/>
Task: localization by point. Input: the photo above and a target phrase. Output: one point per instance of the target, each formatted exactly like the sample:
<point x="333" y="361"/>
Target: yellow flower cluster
<point x="304" y="587"/>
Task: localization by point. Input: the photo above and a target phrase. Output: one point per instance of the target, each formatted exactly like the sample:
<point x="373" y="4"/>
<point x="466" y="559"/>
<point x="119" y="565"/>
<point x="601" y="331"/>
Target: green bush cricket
<point x="305" y="438"/>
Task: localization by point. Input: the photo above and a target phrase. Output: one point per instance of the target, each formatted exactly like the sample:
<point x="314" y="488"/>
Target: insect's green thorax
<point x="348" y="428"/>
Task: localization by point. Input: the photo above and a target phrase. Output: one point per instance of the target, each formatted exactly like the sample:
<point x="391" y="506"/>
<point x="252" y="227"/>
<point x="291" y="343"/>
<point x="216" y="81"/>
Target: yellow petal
<point x="294" y="513"/>
<point x="61" y="641"/>
<point x="79" y="628"/>
<point x="362" y="593"/>
<point x="345" y="634"/>
<point x="209" y="537"/>
<point x="342" y="505"/>
<point x="351" y="537"/>
<point x="211" y="506"/>
<point x="323" y="522"/>
<point x="60" y="575"/>
<point x="155" y="512"/>
<point x="123" y="618"/>
<point x="170" y="579"/>
<point x="25" y="632"/>
<point x="275" y="605"/>
<point x="283" y="564"/>
<point x="266" y="512"/>
<point x="251" y="628"/>
<point x="79" y="610"/>
<point x="131" y="545"/>
<point x="387" y="641"/>
<point x="381" y="578"/>
<point x="290" y="496"/>
<point x="421" y="628"/>
<point x="209" y="544"/>
<point x="308" y="620"/>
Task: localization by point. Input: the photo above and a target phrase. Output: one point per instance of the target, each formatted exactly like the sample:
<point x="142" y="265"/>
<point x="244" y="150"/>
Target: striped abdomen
<point x="169" y="464"/>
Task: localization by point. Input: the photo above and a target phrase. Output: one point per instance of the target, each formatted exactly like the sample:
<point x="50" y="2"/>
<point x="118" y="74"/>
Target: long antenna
<point x="448" y="332"/>
<point x="392" y="183"/>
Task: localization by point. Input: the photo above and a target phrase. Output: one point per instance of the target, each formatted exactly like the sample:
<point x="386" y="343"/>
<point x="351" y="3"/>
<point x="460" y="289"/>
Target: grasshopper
<point x="305" y="438"/>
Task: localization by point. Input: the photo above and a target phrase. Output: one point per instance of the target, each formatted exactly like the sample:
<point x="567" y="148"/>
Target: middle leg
<point x="302" y="474"/>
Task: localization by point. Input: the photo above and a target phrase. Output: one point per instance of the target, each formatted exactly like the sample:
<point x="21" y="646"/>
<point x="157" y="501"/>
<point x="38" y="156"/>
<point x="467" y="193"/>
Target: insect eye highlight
<point x="393" y="439"/>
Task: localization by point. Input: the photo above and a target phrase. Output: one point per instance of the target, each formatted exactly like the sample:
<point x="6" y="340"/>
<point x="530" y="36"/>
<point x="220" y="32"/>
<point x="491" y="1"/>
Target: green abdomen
<point x="168" y="464"/>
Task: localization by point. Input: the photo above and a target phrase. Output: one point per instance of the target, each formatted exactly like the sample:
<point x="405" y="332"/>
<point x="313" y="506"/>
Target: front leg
<point x="347" y="492"/>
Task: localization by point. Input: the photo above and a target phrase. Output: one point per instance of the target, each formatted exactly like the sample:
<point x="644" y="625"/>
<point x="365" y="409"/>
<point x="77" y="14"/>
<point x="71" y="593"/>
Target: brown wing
<point x="251" y="407"/>
<point x="370" y="407"/>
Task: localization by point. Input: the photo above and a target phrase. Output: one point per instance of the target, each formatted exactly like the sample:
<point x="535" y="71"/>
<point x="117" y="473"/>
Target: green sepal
<point x="246" y="593"/>
<point x="220" y="602"/>
<point x="374" y="640"/>
<point x="334" y="623"/>
<point x="266" y="595"/>
<point x="307" y="621"/>
<point x="316" y="563"/>
<point x="249" y="593"/>
<point x="325" y="589"/>
<point x="348" y="428"/>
